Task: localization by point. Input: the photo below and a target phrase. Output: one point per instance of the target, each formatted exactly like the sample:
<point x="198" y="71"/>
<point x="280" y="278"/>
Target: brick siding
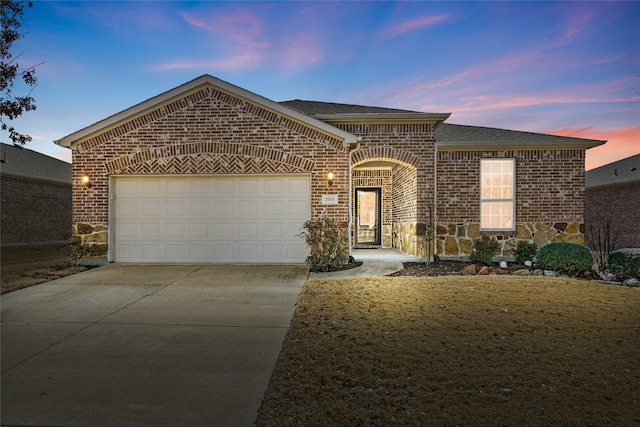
<point x="34" y="210"/>
<point x="624" y="204"/>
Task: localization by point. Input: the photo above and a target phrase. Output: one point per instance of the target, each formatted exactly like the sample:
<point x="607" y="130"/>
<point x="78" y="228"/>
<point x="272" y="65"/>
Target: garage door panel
<point x="210" y="219"/>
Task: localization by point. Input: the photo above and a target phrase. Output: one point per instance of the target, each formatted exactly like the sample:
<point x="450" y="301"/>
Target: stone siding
<point x="34" y="210"/>
<point x="455" y="240"/>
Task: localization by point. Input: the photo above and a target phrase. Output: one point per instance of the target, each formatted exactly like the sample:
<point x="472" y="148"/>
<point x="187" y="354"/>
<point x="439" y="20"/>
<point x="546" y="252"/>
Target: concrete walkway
<point x="375" y="263"/>
<point x="145" y="345"/>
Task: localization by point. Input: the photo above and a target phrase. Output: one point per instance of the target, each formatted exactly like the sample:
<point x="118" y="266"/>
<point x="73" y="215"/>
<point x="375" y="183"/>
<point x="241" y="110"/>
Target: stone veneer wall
<point x="207" y="132"/>
<point x="456" y="240"/>
<point x="380" y="178"/>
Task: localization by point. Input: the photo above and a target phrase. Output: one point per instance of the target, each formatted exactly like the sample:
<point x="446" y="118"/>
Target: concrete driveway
<point x="145" y="345"/>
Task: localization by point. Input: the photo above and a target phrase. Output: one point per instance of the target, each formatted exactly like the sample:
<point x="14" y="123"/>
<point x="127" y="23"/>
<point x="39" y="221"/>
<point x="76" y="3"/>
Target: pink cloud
<point x="413" y="24"/>
<point x="238" y="62"/>
<point x="621" y="142"/>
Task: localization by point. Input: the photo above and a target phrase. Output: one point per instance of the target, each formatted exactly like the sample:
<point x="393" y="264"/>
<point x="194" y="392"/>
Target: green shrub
<point x="568" y="258"/>
<point x="525" y="251"/>
<point x="484" y="250"/>
<point x="327" y="242"/>
<point x="625" y="263"/>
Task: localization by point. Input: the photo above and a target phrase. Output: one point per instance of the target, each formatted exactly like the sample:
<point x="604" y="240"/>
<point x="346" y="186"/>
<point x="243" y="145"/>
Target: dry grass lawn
<point x="458" y="351"/>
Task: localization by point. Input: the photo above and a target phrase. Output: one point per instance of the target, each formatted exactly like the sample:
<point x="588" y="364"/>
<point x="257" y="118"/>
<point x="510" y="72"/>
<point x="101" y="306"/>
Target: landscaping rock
<point x="550" y="273"/>
<point x="503" y="264"/>
<point x="483" y="271"/>
<point x="469" y="270"/>
<point x="632" y="281"/>
<point x="522" y="272"/>
<point x="501" y="271"/>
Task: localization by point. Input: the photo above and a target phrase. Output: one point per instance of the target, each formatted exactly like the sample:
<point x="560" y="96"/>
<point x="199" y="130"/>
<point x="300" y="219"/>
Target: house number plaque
<point x="329" y="199"/>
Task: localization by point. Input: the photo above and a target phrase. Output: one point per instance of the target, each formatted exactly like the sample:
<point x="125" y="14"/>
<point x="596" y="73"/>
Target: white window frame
<point x="484" y="163"/>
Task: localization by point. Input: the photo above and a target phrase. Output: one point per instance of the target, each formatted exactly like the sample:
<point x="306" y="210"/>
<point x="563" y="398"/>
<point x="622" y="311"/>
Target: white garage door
<point x="210" y="219"/>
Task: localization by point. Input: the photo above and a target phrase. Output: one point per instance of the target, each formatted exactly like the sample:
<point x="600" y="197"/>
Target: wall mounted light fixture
<point x="330" y="177"/>
<point x="86" y="181"/>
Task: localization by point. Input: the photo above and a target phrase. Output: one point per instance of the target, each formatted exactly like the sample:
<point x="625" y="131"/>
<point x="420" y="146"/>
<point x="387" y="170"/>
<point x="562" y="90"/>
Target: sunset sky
<point x="565" y="68"/>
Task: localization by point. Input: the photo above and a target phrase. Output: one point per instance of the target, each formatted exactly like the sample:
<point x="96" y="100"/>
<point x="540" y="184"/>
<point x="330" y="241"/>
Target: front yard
<point x="464" y="351"/>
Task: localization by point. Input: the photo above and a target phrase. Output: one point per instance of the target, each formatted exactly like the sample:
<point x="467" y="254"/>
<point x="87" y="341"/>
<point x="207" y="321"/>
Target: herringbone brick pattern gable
<point x="209" y="164"/>
<point x="207" y="158"/>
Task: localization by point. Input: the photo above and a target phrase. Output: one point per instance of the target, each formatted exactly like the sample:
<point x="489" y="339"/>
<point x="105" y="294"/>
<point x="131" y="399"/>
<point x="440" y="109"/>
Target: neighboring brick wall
<point x="624" y="203"/>
<point x="34" y="210"/>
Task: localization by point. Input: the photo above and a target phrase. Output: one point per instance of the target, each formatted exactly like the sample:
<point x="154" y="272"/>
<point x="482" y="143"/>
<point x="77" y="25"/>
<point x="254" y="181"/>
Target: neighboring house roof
<point x="334" y="113"/>
<point x="450" y="135"/>
<point x="158" y="101"/>
<point x="24" y="163"/>
<point x="622" y="172"/>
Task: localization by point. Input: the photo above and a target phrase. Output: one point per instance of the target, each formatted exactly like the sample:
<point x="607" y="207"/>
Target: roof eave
<point x="70" y="141"/>
<point x="520" y="145"/>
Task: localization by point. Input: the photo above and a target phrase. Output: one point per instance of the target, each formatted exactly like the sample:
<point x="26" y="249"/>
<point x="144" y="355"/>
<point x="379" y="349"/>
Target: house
<point x="615" y="188"/>
<point x="35" y="197"/>
<point x="210" y="172"/>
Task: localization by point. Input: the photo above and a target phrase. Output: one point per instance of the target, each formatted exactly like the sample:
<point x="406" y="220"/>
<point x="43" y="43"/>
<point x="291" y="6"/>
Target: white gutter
<point x="350" y="222"/>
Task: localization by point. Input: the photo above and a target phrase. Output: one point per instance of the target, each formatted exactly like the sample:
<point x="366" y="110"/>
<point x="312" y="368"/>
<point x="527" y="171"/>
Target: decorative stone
<point x="451" y="246"/>
<point x="469" y="270"/>
<point x="85" y="228"/>
<point x="560" y="226"/>
<point x="442" y="230"/>
<point x="483" y="271"/>
<point x="473" y="231"/>
<point x="460" y="231"/>
<point x="528" y="263"/>
<point x="451" y="229"/>
<point x="522" y="272"/>
<point x="522" y="233"/>
<point x="99" y="250"/>
<point x="550" y="273"/>
<point x="573" y="228"/>
<point x="537" y="272"/>
<point x="97" y="237"/>
<point x="508" y="247"/>
<point x="632" y="281"/>
<point x="542" y="226"/>
<point x="465" y="246"/>
<point x="540" y="239"/>
<point x="501" y="271"/>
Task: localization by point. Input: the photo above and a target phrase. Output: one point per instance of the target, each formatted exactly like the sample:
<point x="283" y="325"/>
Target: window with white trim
<point x="497" y="194"/>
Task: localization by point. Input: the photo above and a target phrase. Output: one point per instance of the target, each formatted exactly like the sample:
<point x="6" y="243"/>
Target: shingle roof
<point x="313" y="108"/>
<point x="623" y="171"/>
<point x="454" y="133"/>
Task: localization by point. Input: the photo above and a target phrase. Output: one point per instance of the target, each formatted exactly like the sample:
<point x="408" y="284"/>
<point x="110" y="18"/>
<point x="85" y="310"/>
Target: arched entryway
<point x="384" y="204"/>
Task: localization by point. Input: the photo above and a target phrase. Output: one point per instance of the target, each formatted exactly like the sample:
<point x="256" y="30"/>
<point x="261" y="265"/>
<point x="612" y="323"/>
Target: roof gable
<point x="72" y="140"/>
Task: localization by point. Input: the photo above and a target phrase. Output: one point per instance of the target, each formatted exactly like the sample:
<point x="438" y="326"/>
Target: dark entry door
<point x="368" y="217"/>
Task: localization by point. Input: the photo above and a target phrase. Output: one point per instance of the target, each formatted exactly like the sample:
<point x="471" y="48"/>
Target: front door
<point x="368" y="217"/>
